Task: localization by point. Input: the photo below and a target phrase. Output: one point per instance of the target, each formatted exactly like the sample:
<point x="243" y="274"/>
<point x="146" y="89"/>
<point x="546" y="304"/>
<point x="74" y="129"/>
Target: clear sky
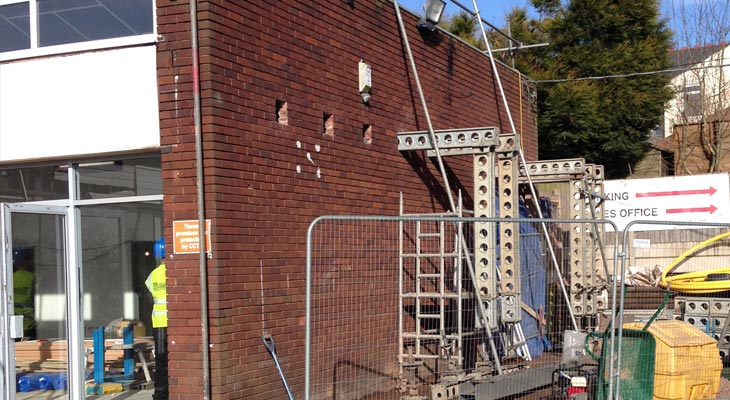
<point x="491" y="10"/>
<point x="495" y="10"/>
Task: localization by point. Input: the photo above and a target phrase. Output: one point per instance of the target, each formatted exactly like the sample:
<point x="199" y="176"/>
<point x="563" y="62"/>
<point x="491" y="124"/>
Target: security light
<point x="433" y="11"/>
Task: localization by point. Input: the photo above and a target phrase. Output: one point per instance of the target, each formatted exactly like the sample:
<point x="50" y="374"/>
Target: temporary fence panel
<point x="393" y="314"/>
<point x="677" y="281"/>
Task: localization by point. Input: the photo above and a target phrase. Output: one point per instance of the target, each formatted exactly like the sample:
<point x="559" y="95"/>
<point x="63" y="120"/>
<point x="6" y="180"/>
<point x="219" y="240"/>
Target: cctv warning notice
<point x="186" y="236"/>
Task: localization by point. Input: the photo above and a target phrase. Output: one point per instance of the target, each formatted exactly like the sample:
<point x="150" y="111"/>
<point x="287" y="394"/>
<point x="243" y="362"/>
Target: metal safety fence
<point x="676" y="299"/>
<point x="423" y="307"/>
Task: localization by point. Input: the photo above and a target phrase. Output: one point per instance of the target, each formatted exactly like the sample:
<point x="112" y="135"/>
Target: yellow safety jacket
<point x="23" y="297"/>
<point x="157" y="285"/>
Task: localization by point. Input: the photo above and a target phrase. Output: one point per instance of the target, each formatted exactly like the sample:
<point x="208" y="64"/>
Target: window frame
<point x="36" y="51"/>
<point x="692" y="101"/>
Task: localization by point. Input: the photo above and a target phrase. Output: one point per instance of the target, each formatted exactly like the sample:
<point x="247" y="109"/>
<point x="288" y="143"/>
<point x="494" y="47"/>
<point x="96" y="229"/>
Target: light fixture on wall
<point x="434" y="9"/>
<point x="365" y="81"/>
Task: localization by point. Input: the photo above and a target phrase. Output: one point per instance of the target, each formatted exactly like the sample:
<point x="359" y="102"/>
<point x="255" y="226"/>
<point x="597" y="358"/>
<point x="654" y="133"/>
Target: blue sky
<point x="495" y="10"/>
<point x="491" y="10"/>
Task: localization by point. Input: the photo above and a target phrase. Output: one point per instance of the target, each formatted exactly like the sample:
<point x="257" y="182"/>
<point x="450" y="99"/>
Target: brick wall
<point x="268" y="174"/>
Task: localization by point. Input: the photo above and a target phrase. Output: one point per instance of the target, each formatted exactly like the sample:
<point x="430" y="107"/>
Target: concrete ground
<point x="58" y="395"/>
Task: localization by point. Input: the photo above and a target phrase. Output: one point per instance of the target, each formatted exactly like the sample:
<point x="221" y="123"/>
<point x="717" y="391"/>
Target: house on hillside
<point x="696" y="122"/>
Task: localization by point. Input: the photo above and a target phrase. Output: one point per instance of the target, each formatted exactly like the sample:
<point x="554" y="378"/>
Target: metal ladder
<point x="431" y="292"/>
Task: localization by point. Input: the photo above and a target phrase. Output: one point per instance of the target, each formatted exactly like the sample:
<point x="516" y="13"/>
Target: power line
<point x="602" y="77"/>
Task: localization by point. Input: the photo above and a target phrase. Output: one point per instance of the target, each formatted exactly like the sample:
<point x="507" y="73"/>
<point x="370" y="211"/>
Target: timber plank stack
<point x="51" y="355"/>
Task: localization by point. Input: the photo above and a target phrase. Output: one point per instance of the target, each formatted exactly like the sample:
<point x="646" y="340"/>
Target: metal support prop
<point x="521" y="155"/>
<point x="594" y="182"/>
<point x="481" y="312"/>
<point x="485" y="238"/>
<point x="509" y="235"/>
<point x="589" y="247"/>
<point x="587" y="265"/>
<point x="576" y="266"/>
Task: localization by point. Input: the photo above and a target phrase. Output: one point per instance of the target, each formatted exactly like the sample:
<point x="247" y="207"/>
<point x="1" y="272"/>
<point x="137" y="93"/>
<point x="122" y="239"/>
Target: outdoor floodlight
<point x="365" y="81"/>
<point x="434" y="9"/>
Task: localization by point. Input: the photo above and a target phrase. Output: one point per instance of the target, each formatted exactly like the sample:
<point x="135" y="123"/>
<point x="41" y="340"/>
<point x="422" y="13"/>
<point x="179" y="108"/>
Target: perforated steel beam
<point x="451" y="141"/>
<point x="594" y="186"/>
<point x="509" y="243"/>
<point x="553" y="169"/>
<point x="485" y="235"/>
<point x="577" y="267"/>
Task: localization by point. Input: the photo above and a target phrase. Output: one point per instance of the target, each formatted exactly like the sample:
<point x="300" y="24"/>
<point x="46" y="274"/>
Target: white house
<point x="701" y="85"/>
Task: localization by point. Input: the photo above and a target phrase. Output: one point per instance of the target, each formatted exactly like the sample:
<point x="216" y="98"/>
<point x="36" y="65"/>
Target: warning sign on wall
<point x="697" y="198"/>
<point x="187" y="236"/>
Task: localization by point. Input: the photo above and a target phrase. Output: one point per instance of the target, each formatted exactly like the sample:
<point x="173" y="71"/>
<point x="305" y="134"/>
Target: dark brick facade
<point x="261" y="190"/>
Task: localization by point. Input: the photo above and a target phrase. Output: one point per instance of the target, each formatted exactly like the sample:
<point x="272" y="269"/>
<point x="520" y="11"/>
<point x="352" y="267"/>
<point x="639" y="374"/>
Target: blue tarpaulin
<point x="533" y="284"/>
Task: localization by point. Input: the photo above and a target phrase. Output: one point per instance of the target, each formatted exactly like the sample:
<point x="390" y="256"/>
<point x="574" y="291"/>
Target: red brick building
<point x="261" y="190"/>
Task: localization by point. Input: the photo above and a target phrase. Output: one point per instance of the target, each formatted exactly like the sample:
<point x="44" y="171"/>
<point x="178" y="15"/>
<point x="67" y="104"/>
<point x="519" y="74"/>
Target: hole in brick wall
<point x="328" y="124"/>
<point x="367" y="133"/>
<point x="282" y="115"/>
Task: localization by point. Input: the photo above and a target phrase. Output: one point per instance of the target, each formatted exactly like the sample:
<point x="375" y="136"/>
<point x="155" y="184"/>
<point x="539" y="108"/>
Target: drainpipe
<point x="205" y="341"/>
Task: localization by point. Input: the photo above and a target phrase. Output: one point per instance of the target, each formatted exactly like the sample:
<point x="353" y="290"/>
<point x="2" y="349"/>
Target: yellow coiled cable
<point x="696" y="282"/>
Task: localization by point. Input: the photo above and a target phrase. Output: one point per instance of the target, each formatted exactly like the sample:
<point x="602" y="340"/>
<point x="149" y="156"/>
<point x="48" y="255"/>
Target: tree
<point x="607" y="38"/>
<point x="464" y="26"/>
<point x="605" y="119"/>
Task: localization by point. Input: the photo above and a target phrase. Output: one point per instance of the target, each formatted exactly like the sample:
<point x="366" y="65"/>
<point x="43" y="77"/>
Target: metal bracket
<point x="553" y="169"/>
<point x="468" y="138"/>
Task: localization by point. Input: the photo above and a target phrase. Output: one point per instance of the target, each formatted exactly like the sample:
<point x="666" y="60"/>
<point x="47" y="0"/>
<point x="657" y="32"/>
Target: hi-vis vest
<point x="23" y="289"/>
<point x="157" y="284"/>
<point x="23" y="297"/>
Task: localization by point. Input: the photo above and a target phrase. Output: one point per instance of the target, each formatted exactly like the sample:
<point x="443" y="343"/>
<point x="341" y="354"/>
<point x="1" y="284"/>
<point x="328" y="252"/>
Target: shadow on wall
<point x="438" y="193"/>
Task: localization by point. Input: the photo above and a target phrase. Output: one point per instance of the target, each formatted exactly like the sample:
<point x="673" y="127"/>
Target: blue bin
<point x="34" y="381"/>
<point x="60" y="381"/>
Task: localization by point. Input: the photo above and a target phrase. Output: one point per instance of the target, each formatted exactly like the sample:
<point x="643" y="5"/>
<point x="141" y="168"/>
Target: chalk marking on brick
<point x="261" y="279"/>
<point x="309" y="157"/>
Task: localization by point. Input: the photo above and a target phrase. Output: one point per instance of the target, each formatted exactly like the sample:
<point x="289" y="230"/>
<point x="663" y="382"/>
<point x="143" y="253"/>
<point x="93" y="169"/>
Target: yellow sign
<point x="186" y="236"/>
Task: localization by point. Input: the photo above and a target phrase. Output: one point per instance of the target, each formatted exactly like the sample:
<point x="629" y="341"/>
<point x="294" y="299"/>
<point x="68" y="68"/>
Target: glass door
<point x="36" y="350"/>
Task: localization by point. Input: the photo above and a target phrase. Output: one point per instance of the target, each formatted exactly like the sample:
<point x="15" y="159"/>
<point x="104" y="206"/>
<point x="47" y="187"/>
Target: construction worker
<point x="24" y="290"/>
<point x="157" y="285"/>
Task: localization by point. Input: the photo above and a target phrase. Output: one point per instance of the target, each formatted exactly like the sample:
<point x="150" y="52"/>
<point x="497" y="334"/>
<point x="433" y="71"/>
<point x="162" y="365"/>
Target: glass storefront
<point x="116" y="219"/>
<point x="117" y="257"/>
<point x="24" y="184"/>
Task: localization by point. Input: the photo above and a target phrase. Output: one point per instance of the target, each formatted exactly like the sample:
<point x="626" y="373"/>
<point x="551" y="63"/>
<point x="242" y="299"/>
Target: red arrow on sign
<point x="711" y="209"/>
<point x="711" y="190"/>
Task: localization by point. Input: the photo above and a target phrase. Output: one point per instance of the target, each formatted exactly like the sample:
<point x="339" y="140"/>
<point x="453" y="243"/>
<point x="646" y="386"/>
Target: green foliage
<point x="547" y="7"/>
<point x="464" y="26"/>
<point x="605" y="120"/>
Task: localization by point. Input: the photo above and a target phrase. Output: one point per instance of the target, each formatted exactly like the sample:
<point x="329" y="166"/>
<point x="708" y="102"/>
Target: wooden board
<point x="51" y="355"/>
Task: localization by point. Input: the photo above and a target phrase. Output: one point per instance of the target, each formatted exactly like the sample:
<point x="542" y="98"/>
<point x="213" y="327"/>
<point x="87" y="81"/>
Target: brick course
<point x="304" y="53"/>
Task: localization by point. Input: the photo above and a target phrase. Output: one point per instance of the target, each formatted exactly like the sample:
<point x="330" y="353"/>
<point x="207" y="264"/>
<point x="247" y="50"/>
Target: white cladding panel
<point x="79" y="104"/>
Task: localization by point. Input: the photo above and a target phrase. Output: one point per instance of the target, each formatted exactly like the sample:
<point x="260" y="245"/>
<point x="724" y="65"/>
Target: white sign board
<point x="697" y="198"/>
